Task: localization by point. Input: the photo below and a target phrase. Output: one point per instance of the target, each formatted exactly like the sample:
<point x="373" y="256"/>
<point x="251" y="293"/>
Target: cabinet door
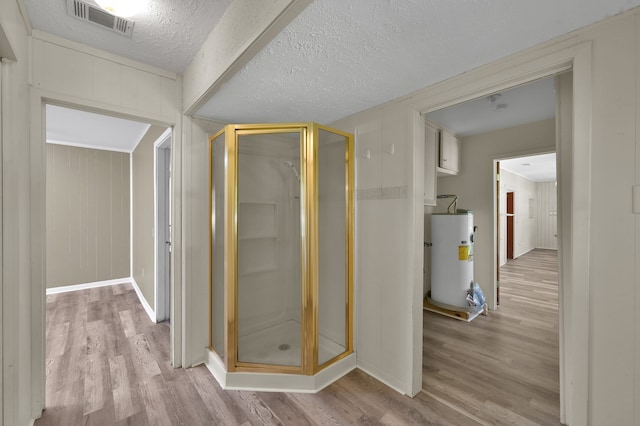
<point x="430" y="163"/>
<point x="449" y="152"/>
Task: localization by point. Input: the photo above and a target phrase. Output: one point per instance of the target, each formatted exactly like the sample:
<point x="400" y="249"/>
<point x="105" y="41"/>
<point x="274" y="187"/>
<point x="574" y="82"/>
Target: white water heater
<point x="451" y="257"/>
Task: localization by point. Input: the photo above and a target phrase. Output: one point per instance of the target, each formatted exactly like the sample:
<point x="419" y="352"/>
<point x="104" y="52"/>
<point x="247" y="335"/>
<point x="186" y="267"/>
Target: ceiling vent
<point x="92" y="13"/>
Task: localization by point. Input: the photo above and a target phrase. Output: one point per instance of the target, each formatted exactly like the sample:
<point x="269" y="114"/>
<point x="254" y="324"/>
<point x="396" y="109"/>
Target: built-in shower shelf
<point x="257" y="253"/>
<point x="257" y="219"/>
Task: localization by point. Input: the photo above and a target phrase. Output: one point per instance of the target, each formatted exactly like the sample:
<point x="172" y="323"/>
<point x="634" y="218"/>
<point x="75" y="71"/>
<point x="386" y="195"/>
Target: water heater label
<point x="463" y="252"/>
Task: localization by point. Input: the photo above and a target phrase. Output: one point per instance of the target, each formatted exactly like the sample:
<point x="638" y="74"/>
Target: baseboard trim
<point x="96" y="284"/>
<point x="143" y="301"/>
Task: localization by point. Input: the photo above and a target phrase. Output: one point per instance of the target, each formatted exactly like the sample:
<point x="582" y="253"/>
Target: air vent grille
<point x="88" y="12"/>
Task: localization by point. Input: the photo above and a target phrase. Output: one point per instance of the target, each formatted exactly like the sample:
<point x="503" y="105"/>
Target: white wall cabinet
<point x="449" y="160"/>
<point x="431" y="138"/>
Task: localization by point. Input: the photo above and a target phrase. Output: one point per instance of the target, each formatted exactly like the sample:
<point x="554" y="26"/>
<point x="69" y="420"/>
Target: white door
<point x="162" y="155"/>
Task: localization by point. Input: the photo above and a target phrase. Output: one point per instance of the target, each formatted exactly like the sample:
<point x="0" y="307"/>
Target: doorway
<point x="162" y="190"/>
<point x="101" y="181"/>
<point x="491" y="145"/>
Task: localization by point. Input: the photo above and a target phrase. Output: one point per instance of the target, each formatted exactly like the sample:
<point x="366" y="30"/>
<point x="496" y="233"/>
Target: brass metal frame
<point x="309" y="136"/>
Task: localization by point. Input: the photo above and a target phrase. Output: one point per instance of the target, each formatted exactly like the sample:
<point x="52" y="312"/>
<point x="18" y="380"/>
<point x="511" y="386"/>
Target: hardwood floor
<point x="108" y="364"/>
<point x="503" y="368"/>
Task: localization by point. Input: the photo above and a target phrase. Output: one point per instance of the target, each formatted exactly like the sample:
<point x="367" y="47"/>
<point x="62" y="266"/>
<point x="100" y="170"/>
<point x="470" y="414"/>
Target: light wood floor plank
<point x="110" y="366"/>
<point x="503" y="368"/>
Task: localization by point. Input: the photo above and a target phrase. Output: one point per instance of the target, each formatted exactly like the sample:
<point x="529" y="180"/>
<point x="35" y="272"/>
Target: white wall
<point x="383" y="287"/>
<point x="613" y="256"/>
<point x="546" y="215"/>
<point x="196" y="237"/>
<point x="525" y="224"/>
<point x="538" y="231"/>
<point x="474" y="187"/>
<point x="16" y="350"/>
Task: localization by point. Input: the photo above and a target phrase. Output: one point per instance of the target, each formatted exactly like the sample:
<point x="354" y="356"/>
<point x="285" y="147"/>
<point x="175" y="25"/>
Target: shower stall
<point x="281" y="245"/>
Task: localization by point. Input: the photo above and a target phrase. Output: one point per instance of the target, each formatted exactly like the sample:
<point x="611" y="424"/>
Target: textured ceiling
<point x="167" y="35"/>
<point x="79" y="128"/>
<point x="340" y="57"/>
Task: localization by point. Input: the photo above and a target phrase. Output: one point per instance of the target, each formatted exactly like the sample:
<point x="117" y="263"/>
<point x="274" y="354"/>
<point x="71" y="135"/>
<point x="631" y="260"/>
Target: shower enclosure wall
<point x="281" y="256"/>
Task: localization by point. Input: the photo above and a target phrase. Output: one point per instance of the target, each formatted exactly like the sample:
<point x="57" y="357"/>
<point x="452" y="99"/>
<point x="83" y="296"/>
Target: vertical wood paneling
<point x="107" y="74"/>
<point x="103" y="189"/>
<point x="120" y="218"/>
<point x="524" y="225"/>
<point x="546" y="216"/>
<point x="65" y="67"/>
<point x="87" y="215"/>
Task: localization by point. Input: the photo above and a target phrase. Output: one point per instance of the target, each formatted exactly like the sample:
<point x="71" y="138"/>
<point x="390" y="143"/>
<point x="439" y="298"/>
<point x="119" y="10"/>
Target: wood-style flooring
<point x="502" y="368"/>
<point x="108" y="364"/>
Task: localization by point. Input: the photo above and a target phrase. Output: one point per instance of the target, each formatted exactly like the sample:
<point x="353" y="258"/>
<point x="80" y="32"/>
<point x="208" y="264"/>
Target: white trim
<point x="160" y="222"/>
<point x="143" y="301"/>
<point x="88" y="146"/>
<point x="84" y="286"/>
<point x="276" y="382"/>
<point x="131" y="215"/>
<point x="102" y="54"/>
<point x="382" y="377"/>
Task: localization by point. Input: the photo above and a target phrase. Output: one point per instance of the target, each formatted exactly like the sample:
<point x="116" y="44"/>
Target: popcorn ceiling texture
<point x="338" y="57"/>
<point x="167" y="35"/>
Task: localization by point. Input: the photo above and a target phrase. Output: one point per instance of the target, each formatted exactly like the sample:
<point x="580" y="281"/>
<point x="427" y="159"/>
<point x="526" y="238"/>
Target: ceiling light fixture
<point x="123" y="8"/>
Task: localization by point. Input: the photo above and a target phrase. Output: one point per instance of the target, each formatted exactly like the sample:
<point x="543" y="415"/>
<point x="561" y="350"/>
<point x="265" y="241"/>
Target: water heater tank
<point x="451" y="257"/>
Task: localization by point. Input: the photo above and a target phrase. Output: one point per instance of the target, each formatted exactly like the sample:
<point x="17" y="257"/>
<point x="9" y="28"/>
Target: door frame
<point x="37" y="139"/>
<point x="573" y="165"/>
<point x="161" y="220"/>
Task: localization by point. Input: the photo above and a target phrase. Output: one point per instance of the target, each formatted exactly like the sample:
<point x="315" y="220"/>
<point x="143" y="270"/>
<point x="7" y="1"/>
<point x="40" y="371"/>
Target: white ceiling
<point x="537" y="168"/>
<point x="167" y="35"/>
<point x="337" y="57"/>
<point x="79" y="128"/>
<point x="340" y="57"/>
<point x="525" y="104"/>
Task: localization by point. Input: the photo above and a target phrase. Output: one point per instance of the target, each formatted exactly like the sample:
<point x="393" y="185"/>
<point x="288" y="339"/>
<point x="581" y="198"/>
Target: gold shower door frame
<point x="309" y="330"/>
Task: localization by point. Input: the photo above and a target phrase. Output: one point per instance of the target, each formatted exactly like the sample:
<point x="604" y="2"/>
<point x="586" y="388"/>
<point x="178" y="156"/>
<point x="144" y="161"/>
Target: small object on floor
<point x="467" y="313"/>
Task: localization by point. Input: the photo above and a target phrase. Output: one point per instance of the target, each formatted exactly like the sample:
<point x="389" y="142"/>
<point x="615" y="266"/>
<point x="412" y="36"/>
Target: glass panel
<point x="269" y="277"/>
<point x="217" y="244"/>
<point x="332" y="248"/>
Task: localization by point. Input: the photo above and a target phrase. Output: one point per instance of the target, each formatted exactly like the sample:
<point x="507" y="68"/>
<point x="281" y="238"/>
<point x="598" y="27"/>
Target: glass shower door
<point x="268" y="248"/>
<point x="333" y="250"/>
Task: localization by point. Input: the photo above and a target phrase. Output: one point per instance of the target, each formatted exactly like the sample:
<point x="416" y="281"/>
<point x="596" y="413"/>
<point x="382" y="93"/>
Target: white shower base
<point x="266" y="346"/>
<point x="263" y="347"/>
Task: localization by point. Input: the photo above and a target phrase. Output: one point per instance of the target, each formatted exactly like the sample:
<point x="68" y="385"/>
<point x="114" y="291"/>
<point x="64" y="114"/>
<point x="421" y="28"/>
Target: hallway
<point x="108" y="364"/>
<point x="503" y="368"/>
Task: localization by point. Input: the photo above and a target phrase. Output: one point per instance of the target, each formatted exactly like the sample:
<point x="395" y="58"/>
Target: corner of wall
<point x="145" y="304"/>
